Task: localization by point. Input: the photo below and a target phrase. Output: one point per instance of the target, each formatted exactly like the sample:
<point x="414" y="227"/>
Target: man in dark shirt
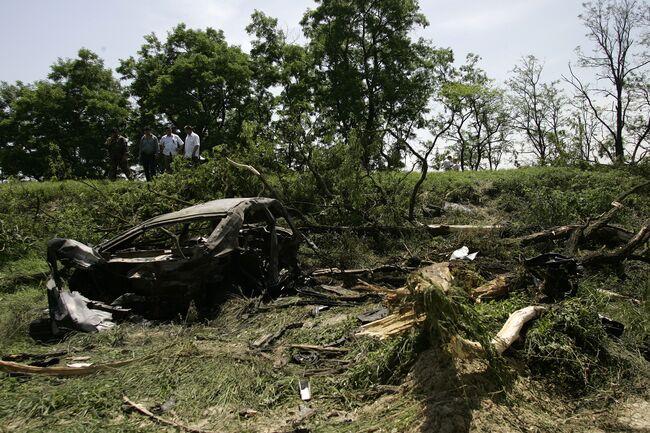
<point x="117" y="151"/>
<point x="148" y="153"/>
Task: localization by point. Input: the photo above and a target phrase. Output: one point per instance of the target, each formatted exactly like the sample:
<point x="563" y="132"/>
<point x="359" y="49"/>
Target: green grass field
<point x="566" y="375"/>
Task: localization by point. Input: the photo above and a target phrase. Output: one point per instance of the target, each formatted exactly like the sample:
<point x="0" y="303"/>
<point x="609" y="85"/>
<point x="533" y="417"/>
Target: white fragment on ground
<point x="463" y="254"/>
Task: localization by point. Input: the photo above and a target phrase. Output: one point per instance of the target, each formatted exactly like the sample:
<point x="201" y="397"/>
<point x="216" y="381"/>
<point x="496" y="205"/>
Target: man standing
<point x="148" y="153"/>
<point x="447" y="164"/>
<point x="117" y="151"/>
<point x="170" y="144"/>
<point x="192" y="144"/>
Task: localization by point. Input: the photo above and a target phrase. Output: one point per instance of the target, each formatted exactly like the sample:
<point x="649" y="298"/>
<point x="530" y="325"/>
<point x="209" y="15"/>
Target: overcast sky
<point x="35" y="33"/>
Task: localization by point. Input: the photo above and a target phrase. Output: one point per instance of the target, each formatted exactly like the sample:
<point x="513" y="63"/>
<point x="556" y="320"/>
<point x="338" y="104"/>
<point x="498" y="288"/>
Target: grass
<point x="212" y="373"/>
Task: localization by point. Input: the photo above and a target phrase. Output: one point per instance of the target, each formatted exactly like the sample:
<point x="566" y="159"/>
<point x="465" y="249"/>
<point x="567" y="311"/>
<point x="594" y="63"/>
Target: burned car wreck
<point x="157" y="269"/>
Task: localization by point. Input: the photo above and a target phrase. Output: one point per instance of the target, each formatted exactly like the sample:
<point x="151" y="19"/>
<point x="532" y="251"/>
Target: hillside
<point x="239" y="371"/>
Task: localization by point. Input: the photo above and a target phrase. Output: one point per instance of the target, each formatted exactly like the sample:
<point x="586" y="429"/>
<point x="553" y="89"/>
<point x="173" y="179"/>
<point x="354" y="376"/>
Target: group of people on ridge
<point x="152" y="151"/>
<point x="449" y="164"/>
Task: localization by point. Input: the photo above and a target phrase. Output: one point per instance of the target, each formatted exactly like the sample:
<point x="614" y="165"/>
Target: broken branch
<point x="144" y="411"/>
<point x="511" y="330"/>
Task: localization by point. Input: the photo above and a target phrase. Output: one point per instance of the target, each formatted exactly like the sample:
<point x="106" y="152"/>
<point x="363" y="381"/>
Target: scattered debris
<point x="455" y="207"/>
<point x="79" y="364"/>
<point x="554" y="274"/>
<point x="373" y="315"/>
<point x="166" y="406"/>
<point x="612" y="327"/>
<point x="463" y="254"/>
<point x="268" y="339"/>
<point x="144" y="411"/>
<point x="305" y="389"/>
<point x="247" y="413"/>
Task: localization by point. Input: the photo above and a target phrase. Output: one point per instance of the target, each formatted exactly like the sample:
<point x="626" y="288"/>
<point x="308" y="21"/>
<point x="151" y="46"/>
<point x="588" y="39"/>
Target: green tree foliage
<point x="57" y="127"/>
<point x="374" y="80"/>
<point x="481" y="124"/>
<point x="619" y="98"/>
<point x="536" y="109"/>
<point x="193" y="77"/>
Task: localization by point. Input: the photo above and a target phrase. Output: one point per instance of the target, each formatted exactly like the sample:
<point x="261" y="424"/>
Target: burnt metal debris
<point x="158" y="268"/>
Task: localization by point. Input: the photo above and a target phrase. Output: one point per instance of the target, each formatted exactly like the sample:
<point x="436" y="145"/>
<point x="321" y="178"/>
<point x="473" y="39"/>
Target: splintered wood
<point x="437" y="275"/>
<point x="393" y="324"/>
<point x="493" y="289"/>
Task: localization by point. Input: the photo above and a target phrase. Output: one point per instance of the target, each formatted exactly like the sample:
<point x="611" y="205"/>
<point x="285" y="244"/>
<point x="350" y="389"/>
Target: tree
<point x="536" y="109"/>
<point x="372" y="76"/>
<point x="61" y="122"/>
<point x="616" y="28"/>
<point x="194" y="77"/>
<point x="481" y="121"/>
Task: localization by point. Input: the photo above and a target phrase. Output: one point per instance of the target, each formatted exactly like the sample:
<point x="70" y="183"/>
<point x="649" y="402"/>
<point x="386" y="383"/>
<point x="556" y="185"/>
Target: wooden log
<point x="511" y="330"/>
<point x="619" y="254"/>
<point x="555" y="233"/>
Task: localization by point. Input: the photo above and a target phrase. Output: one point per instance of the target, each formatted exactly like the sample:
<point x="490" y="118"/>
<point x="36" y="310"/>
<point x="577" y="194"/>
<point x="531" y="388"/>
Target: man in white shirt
<point x="192" y="144"/>
<point x="170" y="144"/>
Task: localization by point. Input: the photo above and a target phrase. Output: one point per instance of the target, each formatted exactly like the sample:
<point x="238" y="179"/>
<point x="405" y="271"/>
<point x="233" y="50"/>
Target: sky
<point x="35" y="33"/>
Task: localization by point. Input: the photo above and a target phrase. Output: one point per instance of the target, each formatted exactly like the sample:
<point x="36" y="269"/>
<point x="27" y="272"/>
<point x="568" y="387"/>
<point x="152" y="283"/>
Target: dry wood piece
<point x="493" y="289"/>
<point x="437" y="274"/>
<point x="614" y="295"/>
<point x="510" y="332"/>
<point x="144" y="411"/>
<point x="316" y="348"/>
<point x="14" y="367"/>
<point x="547" y="235"/>
<point x="394" y="324"/>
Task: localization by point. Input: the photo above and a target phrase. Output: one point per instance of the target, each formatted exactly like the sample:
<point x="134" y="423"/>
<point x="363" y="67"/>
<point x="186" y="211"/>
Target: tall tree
<point x="536" y="109"/>
<point x="617" y="29"/>
<point x="481" y="121"/>
<point x="193" y="77"/>
<point x="373" y="74"/>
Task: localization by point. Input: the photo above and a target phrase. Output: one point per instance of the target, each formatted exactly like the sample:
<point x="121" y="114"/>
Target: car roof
<point x="212" y="208"/>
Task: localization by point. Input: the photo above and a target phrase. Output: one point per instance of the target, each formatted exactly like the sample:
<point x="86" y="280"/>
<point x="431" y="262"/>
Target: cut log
<point x="511" y="330"/>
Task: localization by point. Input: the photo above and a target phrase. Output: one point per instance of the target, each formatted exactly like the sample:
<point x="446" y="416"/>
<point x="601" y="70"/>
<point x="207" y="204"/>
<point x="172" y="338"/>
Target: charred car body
<point x="158" y="268"/>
